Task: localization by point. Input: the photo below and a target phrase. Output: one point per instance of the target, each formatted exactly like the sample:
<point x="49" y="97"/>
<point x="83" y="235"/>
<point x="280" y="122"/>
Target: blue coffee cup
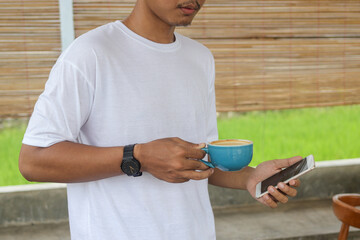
<point x="229" y="154"/>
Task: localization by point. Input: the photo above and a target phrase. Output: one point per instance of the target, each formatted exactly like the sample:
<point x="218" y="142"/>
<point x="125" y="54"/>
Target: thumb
<point x="284" y="163"/>
<point x="193" y="150"/>
<point x="200" y="146"/>
<point x="190" y="144"/>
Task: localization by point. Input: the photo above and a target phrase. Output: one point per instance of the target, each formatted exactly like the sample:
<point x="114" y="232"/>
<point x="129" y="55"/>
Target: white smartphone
<point x="294" y="171"/>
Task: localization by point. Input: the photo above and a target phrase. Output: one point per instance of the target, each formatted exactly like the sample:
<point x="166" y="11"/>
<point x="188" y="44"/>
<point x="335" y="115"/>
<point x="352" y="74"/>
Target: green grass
<point x="327" y="133"/>
<point x="10" y="144"/>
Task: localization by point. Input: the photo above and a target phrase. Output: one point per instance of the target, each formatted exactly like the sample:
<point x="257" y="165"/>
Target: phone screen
<point x="284" y="174"/>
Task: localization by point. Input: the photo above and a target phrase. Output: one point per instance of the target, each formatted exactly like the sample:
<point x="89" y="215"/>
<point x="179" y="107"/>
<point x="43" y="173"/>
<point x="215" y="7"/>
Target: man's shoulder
<point x="95" y="40"/>
<point x="195" y="45"/>
<point x="97" y="34"/>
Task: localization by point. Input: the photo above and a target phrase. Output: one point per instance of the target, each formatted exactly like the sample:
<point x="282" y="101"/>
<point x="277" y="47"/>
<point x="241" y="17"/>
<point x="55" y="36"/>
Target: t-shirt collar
<point x="167" y="47"/>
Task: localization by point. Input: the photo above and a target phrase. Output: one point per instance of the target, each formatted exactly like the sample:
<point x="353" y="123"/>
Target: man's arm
<point x="248" y="177"/>
<point x="69" y="162"/>
<point x="169" y="159"/>
<point x="227" y="179"/>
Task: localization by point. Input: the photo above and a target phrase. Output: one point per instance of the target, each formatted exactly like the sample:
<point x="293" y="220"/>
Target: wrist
<point x="248" y="171"/>
<point x="138" y="156"/>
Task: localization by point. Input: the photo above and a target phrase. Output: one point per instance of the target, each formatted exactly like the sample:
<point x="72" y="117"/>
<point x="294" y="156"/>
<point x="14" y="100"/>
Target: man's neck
<point x="148" y="26"/>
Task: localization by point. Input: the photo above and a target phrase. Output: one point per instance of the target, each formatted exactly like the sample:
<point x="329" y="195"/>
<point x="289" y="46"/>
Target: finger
<point x="269" y="202"/>
<point x="176" y="180"/>
<point x="277" y="195"/>
<point x="287" y="190"/>
<point x="195" y="175"/>
<point x="284" y="163"/>
<point x="295" y="183"/>
<point x="200" y="145"/>
<point x="185" y="143"/>
<point x="190" y="144"/>
<point x="193" y="152"/>
<point x="189" y="164"/>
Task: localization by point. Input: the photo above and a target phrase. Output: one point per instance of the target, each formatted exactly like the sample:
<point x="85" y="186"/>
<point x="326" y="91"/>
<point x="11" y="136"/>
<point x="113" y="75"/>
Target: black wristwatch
<point x="130" y="165"/>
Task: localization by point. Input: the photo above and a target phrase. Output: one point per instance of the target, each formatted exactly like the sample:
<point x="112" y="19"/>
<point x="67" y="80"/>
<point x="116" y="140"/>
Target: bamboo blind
<point x="269" y="54"/>
<point x="29" y="46"/>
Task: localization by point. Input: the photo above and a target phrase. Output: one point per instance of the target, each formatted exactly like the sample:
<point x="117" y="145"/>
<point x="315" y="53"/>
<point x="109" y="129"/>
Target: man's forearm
<point x="236" y="180"/>
<point x="168" y="159"/>
<point x="69" y="162"/>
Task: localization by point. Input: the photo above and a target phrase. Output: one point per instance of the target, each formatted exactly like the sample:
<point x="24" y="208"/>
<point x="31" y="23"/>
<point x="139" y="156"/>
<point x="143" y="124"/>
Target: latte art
<point x="230" y="142"/>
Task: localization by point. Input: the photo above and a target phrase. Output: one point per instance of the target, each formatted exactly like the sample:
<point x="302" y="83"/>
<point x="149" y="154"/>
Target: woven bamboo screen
<point x="269" y="54"/>
<point x="29" y="46"/>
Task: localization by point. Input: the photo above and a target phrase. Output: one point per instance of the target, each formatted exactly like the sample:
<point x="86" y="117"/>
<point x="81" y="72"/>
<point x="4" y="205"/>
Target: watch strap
<point x="129" y="151"/>
<point x="128" y="155"/>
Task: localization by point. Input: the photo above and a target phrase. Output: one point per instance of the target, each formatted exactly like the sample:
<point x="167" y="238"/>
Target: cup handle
<point x="209" y="164"/>
<point x="205" y="149"/>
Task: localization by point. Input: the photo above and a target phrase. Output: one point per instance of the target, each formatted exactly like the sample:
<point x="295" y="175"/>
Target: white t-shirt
<point x="112" y="87"/>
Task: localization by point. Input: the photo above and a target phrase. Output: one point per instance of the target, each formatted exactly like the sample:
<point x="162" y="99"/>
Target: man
<point x="136" y="82"/>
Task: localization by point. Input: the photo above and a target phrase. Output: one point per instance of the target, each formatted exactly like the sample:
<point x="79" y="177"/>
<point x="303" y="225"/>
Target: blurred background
<point x="287" y="72"/>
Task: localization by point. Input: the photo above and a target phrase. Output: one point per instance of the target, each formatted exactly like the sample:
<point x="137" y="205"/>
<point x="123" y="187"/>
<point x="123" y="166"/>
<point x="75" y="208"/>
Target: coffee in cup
<point x="230" y="142"/>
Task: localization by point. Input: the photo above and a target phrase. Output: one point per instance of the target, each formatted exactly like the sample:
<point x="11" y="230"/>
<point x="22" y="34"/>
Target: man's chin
<point x="183" y="24"/>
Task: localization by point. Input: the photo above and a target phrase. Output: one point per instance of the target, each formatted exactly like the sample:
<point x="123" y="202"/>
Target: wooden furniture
<point x="344" y="206"/>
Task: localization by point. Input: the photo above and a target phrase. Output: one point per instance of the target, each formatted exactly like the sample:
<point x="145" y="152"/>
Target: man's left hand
<point x="267" y="169"/>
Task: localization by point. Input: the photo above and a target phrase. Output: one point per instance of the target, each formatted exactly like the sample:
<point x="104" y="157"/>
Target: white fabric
<point x="112" y="87"/>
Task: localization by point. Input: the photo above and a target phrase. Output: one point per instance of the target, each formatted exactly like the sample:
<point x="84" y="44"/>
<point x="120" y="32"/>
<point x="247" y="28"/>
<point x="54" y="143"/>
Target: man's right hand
<point x="173" y="160"/>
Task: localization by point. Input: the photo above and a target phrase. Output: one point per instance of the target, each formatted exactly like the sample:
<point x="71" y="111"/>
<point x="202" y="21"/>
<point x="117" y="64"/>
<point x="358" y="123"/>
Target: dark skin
<point x="170" y="159"/>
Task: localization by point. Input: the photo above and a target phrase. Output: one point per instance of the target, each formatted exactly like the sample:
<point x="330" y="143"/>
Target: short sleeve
<point x="62" y="108"/>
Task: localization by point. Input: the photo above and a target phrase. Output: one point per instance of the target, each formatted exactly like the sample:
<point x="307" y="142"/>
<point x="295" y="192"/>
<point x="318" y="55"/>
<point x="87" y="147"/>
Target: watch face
<point x="130" y="167"/>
